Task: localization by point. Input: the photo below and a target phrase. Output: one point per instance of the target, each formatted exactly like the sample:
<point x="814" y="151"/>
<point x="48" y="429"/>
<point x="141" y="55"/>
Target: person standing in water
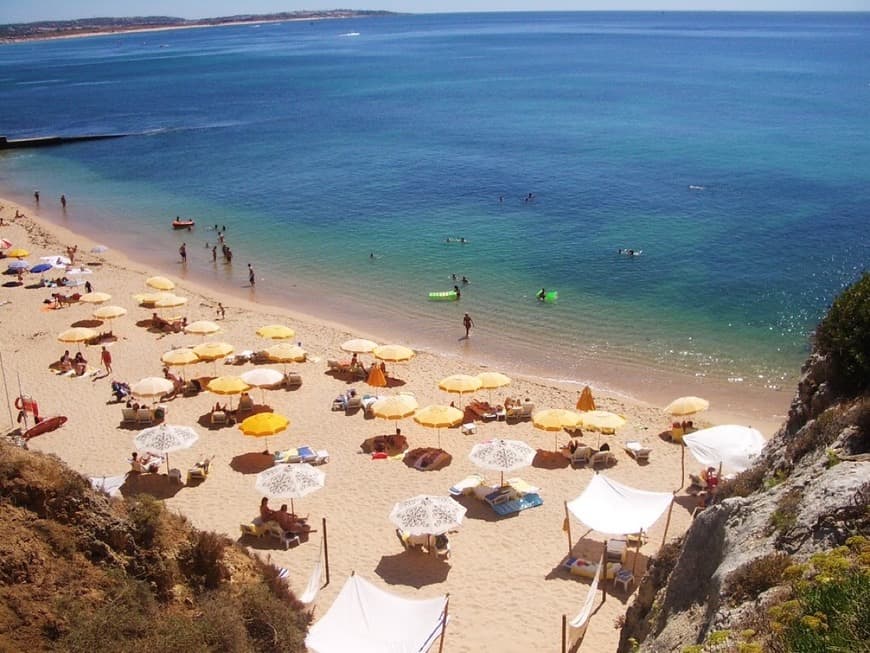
<point x="63" y="201"/>
<point x="183" y="252"/>
<point x="36" y="196"/>
<point x="468" y="322"/>
<point x="251" y="277"/>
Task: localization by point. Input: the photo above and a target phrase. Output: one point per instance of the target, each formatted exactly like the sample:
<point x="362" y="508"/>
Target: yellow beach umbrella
<point x="202" y="328"/>
<point x="170" y="301"/>
<point x="276" y="332"/>
<point x="18" y="252"/>
<point x="492" y="380"/>
<point x="555" y="420"/>
<point x="460" y="384"/>
<point x="687" y="406"/>
<point x="109" y="312"/>
<point x="228" y="386"/>
<point x="585" y="402"/>
<point x="359" y="346"/>
<point x="159" y="283"/>
<point x="262" y="425"/>
<point x="286" y="352"/>
<point x="95" y="297"/>
<point x="395" y="407"/>
<point x="438" y="417"/>
<point x="179" y="357"/>
<point x="147" y="299"/>
<point x="601" y="420"/>
<point x="77" y="335"/>
<point x="393" y="353"/>
<point x="213" y="351"/>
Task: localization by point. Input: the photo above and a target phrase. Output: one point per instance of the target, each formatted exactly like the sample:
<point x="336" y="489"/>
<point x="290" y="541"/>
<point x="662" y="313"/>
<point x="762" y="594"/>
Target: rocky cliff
<point x="781" y="560"/>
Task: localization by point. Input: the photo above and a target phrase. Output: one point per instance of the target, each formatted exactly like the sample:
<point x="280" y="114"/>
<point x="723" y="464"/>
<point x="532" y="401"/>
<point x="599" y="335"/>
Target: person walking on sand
<point x="106" y="357"/>
<point x="251" y="277"/>
<point x="183" y="252"/>
<point x="468" y="322"/>
<point x="63" y="201"/>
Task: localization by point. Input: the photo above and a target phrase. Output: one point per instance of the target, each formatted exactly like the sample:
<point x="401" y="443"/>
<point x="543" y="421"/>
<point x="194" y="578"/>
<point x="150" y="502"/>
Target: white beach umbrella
<point x="731" y="446"/>
<point x="502" y="455"/>
<point x="262" y="377"/>
<point x="427" y="514"/>
<point x="290" y="482"/>
<point x="165" y="438"/>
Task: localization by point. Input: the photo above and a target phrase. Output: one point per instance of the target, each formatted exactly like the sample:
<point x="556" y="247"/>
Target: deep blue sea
<point x="732" y="149"/>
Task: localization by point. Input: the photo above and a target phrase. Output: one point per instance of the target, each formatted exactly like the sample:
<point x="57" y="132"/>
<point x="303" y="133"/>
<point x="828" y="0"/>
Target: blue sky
<point x="19" y="11"/>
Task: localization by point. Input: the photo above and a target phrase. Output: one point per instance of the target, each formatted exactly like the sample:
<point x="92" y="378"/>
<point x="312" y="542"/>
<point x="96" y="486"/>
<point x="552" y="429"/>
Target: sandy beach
<point x="501" y="571"/>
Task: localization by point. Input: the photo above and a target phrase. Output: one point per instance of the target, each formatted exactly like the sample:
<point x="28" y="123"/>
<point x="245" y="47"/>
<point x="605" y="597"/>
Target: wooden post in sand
<point x="325" y="550"/>
<point x="682" y="465"/>
<point x="568" y="527"/>
<point x="444" y="624"/>
<point x="604" y="573"/>
<point x="564" y="633"/>
<point x="668" y="520"/>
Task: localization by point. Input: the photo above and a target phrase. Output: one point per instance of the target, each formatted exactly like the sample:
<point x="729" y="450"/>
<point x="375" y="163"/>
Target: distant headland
<point x="91" y="26"/>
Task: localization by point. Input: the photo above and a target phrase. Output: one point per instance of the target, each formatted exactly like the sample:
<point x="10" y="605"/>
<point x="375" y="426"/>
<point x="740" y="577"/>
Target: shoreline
<point x="761" y="408"/>
<point x="359" y="491"/>
<point x="167" y="28"/>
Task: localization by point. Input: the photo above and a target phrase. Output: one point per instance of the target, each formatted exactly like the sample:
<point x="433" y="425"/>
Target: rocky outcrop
<point x="808" y="492"/>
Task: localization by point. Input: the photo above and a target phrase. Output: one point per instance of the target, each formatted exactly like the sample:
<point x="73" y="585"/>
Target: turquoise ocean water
<point x="732" y="149"/>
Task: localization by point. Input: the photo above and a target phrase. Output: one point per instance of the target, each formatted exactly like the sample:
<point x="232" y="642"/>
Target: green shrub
<point x="745" y="483"/>
<point x="145" y="513"/>
<point x="787" y="508"/>
<point x="201" y="560"/>
<point x="271" y="625"/>
<point x="815" y="435"/>
<point x="756" y="576"/>
<point x="830" y="605"/>
<point x="844" y="335"/>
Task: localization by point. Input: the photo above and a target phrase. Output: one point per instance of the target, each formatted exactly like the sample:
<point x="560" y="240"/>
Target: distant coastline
<point x="43" y="30"/>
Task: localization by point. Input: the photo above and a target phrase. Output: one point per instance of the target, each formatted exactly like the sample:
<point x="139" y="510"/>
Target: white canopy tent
<point x="733" y="447"/>
<point x="616" y="509"/>
<point x="367" y="619"/>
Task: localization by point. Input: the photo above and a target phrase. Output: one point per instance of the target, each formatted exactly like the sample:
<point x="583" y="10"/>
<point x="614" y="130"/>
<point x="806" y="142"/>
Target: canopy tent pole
<point x="682" y="464"/>
<point x="568" y="527"/>
<point x="6" y="390"/>
<point x="637" y="549"/>
<point x="564" y="633"/>
<point x="325" y="550"/>
<point x="444" y="624"/>
<point x="668" y="520"/>
<point x="603" y="568"/>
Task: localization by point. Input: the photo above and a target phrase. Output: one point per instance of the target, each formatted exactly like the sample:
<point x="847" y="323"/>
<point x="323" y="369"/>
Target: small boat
<point x="44" y="426"/>
<point x="183" y="224"/>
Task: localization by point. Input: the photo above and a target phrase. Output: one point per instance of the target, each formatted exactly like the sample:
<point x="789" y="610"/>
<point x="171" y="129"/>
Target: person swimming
<point x="541" y="294"/>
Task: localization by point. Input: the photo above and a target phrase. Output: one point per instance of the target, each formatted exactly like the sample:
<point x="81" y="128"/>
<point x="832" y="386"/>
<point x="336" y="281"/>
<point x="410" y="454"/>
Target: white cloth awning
<point x="367" y="619"/>
<point x="729" y="445"/>
<point x="615" y="509"/>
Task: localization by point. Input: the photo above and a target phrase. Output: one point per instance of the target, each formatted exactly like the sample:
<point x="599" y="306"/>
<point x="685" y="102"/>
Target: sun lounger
<point x="292" y="379"/>
<point x="521" y="487"/>
<point x="145" y="416"/>
<point x="587" y="568"/>
<point x="616" y="550"/>
<point x="304" y="454"/>
<point x="581" y="456"/>
<point x="482" y="491"/>
<point x="129" y="415"/>
<point x="499" y="496"/>
<point x="602" y="458"/>
<point x="467" y="485"/>
<point x="516" y="505"/>
<point x="520" y="413"/>
<point x="637" y="451"/>
<point x="218" y="418"/>
<point x="199" y="472"/>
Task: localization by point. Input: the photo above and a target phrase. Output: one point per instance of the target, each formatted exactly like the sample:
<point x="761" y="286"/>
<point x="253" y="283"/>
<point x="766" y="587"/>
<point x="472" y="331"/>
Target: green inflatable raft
<point x="444" y="296"/>
<point x="549" y="297"/>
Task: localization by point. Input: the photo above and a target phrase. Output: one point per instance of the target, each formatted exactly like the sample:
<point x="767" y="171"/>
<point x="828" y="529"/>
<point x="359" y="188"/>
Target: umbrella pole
<point x="568" y="527"/>
<point x="292" y="509"/>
